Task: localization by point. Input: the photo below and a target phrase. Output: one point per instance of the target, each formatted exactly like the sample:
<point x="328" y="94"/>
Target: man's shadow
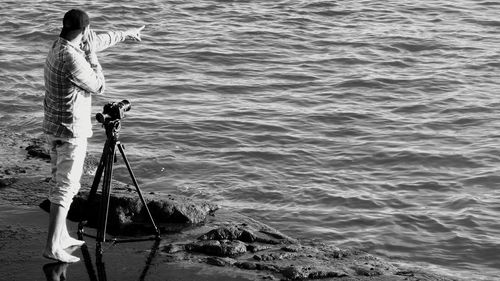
<point x="55" y="271"/>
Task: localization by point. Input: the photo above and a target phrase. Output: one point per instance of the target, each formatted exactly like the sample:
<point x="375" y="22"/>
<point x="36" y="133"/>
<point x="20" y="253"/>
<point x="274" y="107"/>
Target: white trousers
<point x="66" y="157"/>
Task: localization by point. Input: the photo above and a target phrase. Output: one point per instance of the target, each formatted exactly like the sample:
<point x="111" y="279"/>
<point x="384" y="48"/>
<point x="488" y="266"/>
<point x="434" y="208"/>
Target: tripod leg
<point x="98" y="173"/>
<point x="106" y="193"/>
<point x="120" y="147"/>
<point x="93" y="189"/>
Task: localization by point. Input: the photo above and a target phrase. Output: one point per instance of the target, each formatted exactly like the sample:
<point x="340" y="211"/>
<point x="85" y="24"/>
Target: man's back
<point x="69" y="82"/>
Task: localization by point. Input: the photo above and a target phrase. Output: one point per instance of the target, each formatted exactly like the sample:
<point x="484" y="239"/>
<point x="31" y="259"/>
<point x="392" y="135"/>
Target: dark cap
<point x="74" y="19"/>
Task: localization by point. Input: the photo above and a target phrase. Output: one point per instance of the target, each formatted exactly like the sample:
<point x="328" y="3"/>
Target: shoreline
<point x="23" y="187"/>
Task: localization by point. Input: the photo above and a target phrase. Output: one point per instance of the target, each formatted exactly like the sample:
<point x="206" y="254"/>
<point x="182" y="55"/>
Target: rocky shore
<point x="217" y="242"/>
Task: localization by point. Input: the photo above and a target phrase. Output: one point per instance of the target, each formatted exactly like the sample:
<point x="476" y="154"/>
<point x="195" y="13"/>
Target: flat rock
<point x="127" y="215"/>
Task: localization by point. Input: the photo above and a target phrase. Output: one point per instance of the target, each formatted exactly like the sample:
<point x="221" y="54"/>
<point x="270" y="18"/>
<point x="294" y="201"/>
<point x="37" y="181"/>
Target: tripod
<point x="106" y="166"/>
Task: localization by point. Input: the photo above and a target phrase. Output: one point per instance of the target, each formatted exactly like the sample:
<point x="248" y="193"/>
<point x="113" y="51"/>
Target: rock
<point x="257" y="247"/>
<point x="292" y="248"/>
<point x="210" y="247"/>
<point x="294" y="273"/>
<point x="245" y="234"/>
<point x="246" y="265"/>
<point x="222" y="233"/>
<point x="173" y="248"/>
<point x="321" y="274"/>
<point x="178" y="209"/>
<point x="366" y="271"/>
<point x="269" y="257"/>
<point x="268" y="267"/>
<point x="301" y="272"/>
<point x="229" y="233"/>
<point x="127" y="214"/>
<point x="218" y="261"/>
<point x="7" y="181"/>
<point x="37" y="149"/>
<point x="223" y="248"/>
<point x="408" y="273"/>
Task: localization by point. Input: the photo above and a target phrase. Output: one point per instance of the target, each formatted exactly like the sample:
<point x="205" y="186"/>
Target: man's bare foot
<point x="60" y="255"/>
<point x="71" y="242"/>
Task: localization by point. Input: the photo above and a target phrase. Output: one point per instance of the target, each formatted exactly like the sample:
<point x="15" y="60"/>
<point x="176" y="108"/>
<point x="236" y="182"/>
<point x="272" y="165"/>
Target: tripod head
<point x="111" y="115"/>
<point x="112" y="129"/>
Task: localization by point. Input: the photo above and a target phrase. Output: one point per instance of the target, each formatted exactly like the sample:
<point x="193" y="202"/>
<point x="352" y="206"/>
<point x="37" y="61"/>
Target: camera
<point x="113" y="111"/>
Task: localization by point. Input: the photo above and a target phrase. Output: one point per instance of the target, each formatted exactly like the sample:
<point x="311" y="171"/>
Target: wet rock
<point x="173" y="248"/>
<point x="254" y="248"/>
<point x="294" y="273"/>
<point x="218" y="261"/>
<point x="246" y="265"/>
<point x="269" y="257"/>
<point x="366" y="271"/>
<point x="36" y="148"/>
<point x="222" y="233"/>
<point x="127" y="215"/>
<point x="408" y="273"/>
<point x="7" y="182"/>
<point x="178" y="209"/>
<point x="245" y="234"/>
<point x="268" y="267"/>
<point x="210" y="247"/>
<point x="337" y="253"/>
<point x="292" y="248"/>
<point x="326" y="274"/>
<point x="230" y="233"/>
<point x="302" y="272"/>
<point x="223" y="248"/>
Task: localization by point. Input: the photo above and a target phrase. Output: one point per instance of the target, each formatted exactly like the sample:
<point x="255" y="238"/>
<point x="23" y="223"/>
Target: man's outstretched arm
<point x="107" y="39"/>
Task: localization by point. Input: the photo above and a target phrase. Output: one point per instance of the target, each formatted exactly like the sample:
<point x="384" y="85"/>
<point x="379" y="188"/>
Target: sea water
<point x="368" y="124"/>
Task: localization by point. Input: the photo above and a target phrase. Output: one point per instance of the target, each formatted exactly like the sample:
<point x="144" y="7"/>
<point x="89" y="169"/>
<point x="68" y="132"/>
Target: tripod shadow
<point x="99" y="272"/>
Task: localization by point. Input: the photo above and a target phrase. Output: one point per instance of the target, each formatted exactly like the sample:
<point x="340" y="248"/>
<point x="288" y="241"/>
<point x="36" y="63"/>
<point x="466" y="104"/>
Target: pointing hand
<point x="134" y="33"/>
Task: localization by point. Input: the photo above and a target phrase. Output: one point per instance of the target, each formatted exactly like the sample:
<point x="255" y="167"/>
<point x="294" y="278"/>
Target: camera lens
<point x="125" y="105"/>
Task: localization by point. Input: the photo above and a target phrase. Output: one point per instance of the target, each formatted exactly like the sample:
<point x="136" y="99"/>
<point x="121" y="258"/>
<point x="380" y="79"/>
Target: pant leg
<point x="51" y="147"/>
<point x="70" y="155"/>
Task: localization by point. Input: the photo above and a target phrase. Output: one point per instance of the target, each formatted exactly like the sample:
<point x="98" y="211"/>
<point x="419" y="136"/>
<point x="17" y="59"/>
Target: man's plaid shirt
<point x="70" y="81"/>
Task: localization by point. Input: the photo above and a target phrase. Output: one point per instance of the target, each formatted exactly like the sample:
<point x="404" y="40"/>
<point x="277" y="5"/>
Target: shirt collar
<point x="69" y="43"/>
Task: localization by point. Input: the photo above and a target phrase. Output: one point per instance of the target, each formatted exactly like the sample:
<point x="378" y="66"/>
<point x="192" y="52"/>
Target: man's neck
<point x="77" y="40"/>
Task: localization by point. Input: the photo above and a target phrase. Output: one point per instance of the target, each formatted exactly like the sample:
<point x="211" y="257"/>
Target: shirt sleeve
<point x="83" y="75"/>
<point x="107" y="39"/>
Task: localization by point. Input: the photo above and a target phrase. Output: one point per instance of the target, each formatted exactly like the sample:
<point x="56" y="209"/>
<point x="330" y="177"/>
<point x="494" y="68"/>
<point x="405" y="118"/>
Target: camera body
<point x="113" y="111"/>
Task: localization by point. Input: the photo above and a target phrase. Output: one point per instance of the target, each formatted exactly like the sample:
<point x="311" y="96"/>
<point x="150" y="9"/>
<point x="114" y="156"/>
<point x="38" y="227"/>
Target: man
<point x="72" y="74"/>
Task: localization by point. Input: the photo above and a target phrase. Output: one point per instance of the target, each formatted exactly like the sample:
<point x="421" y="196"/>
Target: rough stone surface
<point x="36" y="149"/>
<point x="220" y="261"/>
<point x="172" y="248"/>
<point x="223" y="248"/>
<point x="127" y="213"/>
<point x="247" y="234"/>
<point x="294" y="273"/>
